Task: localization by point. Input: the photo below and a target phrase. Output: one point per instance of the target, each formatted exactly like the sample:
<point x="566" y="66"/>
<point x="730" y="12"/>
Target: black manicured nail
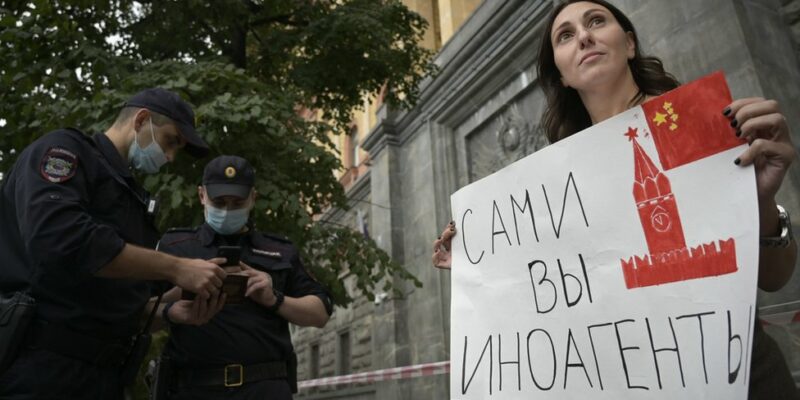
<point x="737" y="161"/>
<point x="452" y="222"/>
<point x="440" y="238"/>
<point x="726" y="111"/>
<point x="734" y="123"/>
<point x="738" y="133"/>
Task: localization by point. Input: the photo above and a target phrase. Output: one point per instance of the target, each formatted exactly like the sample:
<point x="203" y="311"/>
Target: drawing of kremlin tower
<point x="669" y="259"/>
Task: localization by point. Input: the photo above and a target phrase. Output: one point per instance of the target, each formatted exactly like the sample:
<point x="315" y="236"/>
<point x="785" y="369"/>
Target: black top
<point x="67" y="208"/>
<point x="241" y="333"/>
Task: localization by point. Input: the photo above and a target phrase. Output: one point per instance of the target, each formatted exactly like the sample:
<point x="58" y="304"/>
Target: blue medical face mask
<point x="226" y="222"/>
<point x="149" y="159"/>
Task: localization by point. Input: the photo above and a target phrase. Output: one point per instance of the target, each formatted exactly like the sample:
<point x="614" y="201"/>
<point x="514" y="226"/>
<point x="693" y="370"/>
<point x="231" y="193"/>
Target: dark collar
<point x="111" y="154"/>
<point x="208" y="235"/>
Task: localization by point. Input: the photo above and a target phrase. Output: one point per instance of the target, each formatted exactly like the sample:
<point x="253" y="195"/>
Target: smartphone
<point x="234" y="285"/>
<point x="231" y="253"/>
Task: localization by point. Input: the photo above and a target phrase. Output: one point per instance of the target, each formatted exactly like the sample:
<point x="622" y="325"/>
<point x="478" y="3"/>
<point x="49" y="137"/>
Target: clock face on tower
<point x="660" y="219"/>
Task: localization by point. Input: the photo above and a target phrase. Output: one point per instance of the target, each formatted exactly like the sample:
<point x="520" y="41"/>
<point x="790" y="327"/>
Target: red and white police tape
<point x="389" y="374"/>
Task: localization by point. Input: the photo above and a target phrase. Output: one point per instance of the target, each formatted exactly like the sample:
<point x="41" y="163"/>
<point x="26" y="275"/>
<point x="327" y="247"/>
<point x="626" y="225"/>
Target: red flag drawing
<point x="684" y="132"/>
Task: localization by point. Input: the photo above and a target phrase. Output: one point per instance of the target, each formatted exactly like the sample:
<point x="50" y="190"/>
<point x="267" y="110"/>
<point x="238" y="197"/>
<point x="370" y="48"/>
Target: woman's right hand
<point x="441" y="247"/>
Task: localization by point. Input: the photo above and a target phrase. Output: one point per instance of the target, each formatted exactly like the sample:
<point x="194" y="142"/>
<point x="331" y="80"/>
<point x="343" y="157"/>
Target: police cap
<point x="228" y="176"/>
<point x="172" y="106"/>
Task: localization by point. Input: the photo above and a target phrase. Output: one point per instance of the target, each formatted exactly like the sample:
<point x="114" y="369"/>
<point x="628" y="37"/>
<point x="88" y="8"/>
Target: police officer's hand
<point x="259" y="286"/>
<point x="200" y="276"/>
<point x="196" y="312"/>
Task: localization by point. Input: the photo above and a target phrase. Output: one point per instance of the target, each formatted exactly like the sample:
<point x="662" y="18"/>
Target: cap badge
<point x="230" y="172"/>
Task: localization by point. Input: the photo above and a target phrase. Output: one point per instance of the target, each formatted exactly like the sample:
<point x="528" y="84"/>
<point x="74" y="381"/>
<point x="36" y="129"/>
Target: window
<point x="314" y="367"/>
<point x="343" y="355"/>
<point x="353" y="147"/>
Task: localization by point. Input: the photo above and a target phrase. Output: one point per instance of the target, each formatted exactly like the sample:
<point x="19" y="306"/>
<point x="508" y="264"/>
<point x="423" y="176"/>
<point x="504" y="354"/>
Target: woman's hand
<point x="761" y="123"/>
<point x="441" y="247"/>
<point x="771" y="152"/>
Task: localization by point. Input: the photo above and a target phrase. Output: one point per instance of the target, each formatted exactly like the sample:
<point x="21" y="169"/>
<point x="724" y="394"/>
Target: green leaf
<point x="176" y="199"/>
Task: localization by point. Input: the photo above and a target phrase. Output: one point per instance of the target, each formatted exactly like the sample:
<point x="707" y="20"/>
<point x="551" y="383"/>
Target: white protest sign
<point x="619" y="263"/>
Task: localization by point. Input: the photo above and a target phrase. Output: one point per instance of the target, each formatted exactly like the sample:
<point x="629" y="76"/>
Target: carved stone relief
<point x="511" y="136"/>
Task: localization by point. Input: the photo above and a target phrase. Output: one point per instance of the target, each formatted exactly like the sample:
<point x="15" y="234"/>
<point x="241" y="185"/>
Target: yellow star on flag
<point x="673" y="127"/>
<point x="667" y="105"/>
<point x="660" y="118"/>
<point x="674" y="117"/>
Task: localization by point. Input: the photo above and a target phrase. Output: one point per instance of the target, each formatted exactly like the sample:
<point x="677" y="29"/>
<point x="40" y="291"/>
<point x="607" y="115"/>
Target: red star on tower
<point x="632" y="133"/>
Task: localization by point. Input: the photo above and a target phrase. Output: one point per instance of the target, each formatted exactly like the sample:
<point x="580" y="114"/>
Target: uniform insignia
<point x="58" y="165"/>
<point x="275" y="254"/>
<point x="230" y="172"/>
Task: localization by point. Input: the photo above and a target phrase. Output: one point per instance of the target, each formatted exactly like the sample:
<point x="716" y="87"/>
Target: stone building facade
<point x="480" y="113"/>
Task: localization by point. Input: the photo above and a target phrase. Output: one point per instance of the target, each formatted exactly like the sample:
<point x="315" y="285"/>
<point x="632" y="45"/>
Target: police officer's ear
<point x="140" y="118"/>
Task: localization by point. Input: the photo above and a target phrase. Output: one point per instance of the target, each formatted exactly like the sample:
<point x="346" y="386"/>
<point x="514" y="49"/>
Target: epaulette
<point x="178" y="230"/>
<point x="173" y="236"/>
<point x="280" y="238"/>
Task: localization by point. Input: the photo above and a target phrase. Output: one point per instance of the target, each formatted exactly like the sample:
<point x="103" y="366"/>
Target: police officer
<point x="76" y="232"/>
<point x="245" y="351"/>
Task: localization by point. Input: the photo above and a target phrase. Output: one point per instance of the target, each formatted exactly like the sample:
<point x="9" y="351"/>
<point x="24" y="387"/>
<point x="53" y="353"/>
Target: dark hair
<point x="128" y="112"/>
<point x="565" y="113"/>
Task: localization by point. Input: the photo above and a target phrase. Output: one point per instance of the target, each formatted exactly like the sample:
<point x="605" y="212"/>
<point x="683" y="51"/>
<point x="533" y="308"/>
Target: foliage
<point x="339" y="260"/>
<point x="249" y="67"/>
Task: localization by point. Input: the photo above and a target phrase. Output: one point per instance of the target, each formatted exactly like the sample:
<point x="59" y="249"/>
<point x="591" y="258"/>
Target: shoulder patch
<point x="58" y="165"/>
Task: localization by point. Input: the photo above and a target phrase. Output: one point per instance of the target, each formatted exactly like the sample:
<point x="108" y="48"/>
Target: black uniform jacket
<point x="67" y="208"/>
<point x="241" y="333"/>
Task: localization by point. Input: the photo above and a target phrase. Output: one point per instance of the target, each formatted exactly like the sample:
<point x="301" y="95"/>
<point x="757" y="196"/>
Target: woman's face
<point x="590" y="48"/>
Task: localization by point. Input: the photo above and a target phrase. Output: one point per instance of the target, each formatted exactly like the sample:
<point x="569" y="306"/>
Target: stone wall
<point x="355" y="320"/>
<point x="791" y="15"/>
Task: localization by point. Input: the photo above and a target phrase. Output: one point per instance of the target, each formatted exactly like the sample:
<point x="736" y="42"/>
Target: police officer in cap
<point x="77" y="233"/>
<point x="245" y="351"/>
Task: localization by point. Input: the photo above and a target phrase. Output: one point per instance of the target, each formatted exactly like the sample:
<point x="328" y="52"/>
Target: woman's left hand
<point x="761" y="123"/>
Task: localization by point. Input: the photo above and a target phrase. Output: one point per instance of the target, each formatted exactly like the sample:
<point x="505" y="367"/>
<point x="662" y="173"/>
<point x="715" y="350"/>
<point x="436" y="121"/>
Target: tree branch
<point x="285" y="19"/>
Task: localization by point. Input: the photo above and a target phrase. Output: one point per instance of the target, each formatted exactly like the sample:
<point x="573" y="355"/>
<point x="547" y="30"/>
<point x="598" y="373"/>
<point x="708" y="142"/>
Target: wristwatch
<point x="785" y="236"/>
<point x="278" y="301"/>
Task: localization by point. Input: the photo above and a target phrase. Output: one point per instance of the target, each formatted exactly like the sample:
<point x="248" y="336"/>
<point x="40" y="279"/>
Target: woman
<point x="591" y="69"/>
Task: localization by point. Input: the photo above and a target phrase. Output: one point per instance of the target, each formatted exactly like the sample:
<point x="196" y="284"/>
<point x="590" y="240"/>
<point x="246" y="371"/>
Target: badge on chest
<point x="268" y="253"/>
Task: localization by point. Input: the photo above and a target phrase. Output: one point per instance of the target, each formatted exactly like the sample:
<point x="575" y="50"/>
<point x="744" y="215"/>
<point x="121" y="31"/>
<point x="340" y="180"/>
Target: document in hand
<point x="620" y="263"/>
